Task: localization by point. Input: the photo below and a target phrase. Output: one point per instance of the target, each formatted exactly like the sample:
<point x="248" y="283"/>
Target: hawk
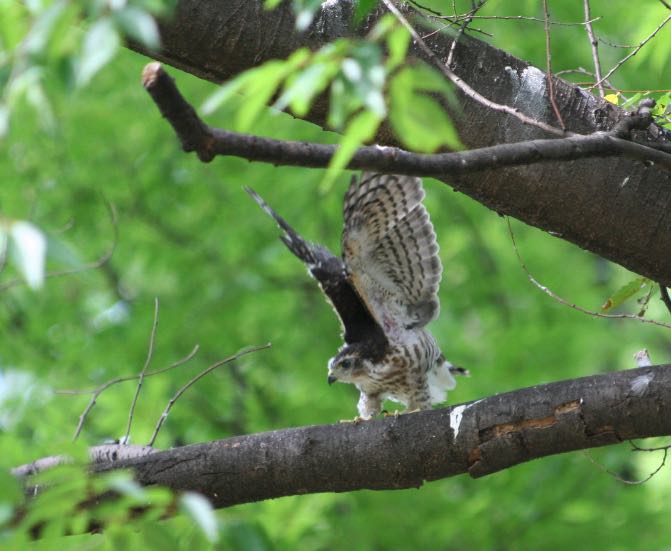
<point x="384" y="290"/>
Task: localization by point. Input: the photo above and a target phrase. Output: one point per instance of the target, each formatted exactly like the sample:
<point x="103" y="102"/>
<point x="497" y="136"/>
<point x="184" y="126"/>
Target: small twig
<point x="462" y="28"/>
<point x="150" y="354"/>
<point x="202" y="374"/>
<point x="624" y="480"/>
<point x="645" y="302"/>
<point x="665" y="296"/>
<point x="465" y="88"/>
<point x="632" y="53"/>
<point x="104" y="259"/>
<point x="583" y="71"/>
<point x="665" y="4"/>
<point x="614" y="45"/>
<point x="548" y="67"/>
<point x="637" y="448"/>
<point x="565" y="302"/>
<point x="100" y="389"/>
<point x="456" y="18"/>
<point x="595" y="47"/>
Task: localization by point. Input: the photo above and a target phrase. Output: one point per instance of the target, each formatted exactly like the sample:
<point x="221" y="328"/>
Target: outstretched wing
<point x="329" y="270"/>
<point x="390" y="250"/>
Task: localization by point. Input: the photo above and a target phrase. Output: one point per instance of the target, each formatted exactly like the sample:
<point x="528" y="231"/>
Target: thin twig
<point x="595" y="47"/>
<point x="614" y="45"/>
<point x="624" y="480"/>
<point x="461" y="30"/>
<point x="637" y="448"/>
<point x="632" y="53"/>
<point x="150" y="354"/>
<point x="465" y="88"/>
<point x="456" y="18"/>
<point x="202" y="374"/>
<point x="665" y="296"/>
<point x="104" y="259"/>
<point x="583" y="71"/>
<point x="565" y="302"/>
<point x="100" y="389"/>
<point x="548" y="67"/>
<point x="645" y="302"/>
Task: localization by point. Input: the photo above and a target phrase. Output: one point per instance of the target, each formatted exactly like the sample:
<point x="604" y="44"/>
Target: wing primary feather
<point x="329" y="270"/>
<point x="294" y="242"/>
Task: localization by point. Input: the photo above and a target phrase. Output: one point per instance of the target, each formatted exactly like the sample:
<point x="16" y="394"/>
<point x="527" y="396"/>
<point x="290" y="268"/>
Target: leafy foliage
<point x="189" y="235"/>
<point x="358" y="75"/>
<point x="37" y="43"/>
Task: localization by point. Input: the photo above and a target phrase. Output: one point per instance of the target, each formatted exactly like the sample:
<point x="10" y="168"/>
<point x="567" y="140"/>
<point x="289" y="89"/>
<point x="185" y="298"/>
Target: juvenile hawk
<point x="384" y="289"/>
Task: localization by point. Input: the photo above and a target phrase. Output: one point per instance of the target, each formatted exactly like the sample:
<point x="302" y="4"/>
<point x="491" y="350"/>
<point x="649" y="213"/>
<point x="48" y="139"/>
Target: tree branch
<point x="477" y="438"/>
<point x="208" y="142"/>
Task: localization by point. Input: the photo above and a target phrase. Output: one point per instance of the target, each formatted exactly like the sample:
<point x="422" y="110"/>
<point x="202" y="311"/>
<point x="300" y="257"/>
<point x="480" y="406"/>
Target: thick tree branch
<point x="208" y="142"/>
<point x="478" y="438"/>
<point x="617" y="208"/>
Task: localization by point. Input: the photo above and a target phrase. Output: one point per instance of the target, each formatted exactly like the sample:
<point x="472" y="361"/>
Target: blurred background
<point x="190" y="236"/>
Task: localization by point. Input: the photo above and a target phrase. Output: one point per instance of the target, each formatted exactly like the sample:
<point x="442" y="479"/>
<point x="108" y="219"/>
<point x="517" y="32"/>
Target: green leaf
<point x="38" y="36"/>
<point x="363" y="8"/>
<point x="300" y="90"/>
<point x="625" y="292"/>
<point x="4" y="120"/>
<point x="305" y="11"/>
<point x="138" y="25"/>
<point x="360" y="129"/>
<point x="10" y="489"/>
<point x="37" y="97"/>
<point x="428" y="79"/>
<point x="100" y="44"/>
<point x="397" y="44"/>
<point x="258" y="86"/>
<point x="201" y="511"/>
<point x="633" y="100"/>
<point x="420" y="122"/>
<point x="28" y="247"/>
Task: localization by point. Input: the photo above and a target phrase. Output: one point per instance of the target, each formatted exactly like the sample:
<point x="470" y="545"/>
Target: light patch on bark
<point x="456" y="416"/>
<point x="528" y="94"/>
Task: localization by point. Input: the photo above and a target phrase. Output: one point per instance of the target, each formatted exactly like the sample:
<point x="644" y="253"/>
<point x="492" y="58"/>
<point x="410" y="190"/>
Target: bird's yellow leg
<point x="356" y="420"/>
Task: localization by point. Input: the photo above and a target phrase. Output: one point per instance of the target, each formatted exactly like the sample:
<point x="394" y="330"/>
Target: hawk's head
<point x="347" y="366"/>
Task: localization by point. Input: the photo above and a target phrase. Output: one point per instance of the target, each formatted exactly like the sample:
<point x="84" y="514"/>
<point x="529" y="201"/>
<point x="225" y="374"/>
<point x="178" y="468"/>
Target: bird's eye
<point x="346" y="364"/>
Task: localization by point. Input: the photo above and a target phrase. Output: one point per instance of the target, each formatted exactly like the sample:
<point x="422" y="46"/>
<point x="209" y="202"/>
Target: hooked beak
<point x="332" y="379"/>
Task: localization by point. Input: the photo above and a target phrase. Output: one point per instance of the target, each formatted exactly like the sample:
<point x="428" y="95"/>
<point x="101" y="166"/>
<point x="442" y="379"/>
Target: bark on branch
<point x="617" y="208"/>
<point x="478" y="438"/>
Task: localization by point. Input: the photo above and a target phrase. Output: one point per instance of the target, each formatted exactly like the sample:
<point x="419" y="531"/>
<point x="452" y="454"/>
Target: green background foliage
<point x="189" y="235"/>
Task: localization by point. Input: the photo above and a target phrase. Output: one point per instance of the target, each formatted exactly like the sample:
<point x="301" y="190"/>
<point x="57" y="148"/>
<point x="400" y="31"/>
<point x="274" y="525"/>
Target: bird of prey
<point x="384" y="290"/>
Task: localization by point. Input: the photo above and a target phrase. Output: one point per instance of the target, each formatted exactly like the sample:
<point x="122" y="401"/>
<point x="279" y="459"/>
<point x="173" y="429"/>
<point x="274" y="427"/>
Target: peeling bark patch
<point x="500" y="436"/>
<point x="539" y="423"/>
